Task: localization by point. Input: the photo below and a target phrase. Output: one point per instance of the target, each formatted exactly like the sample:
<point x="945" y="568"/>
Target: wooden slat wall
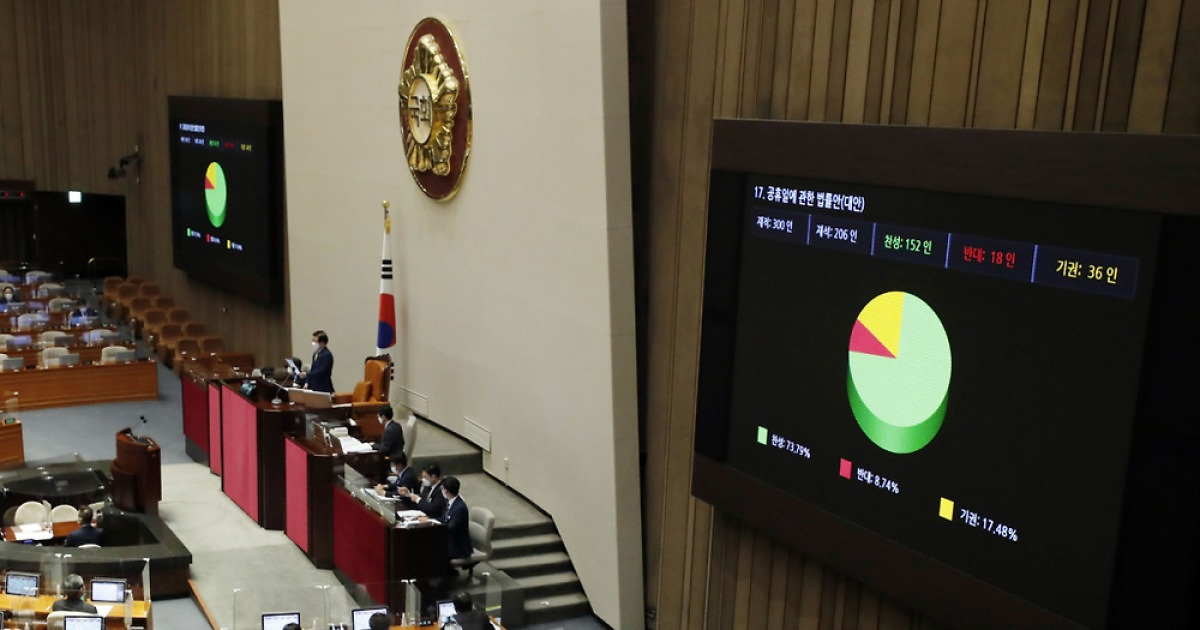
<point x="1103" y="65"/>
<point x="81" y="83"/>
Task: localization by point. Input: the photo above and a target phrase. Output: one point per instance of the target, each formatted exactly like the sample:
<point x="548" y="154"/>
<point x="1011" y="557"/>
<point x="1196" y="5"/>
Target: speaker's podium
<point x="137" y="473"/>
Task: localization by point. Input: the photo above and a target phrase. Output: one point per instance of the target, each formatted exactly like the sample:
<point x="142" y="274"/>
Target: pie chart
<point x="898" y="378"/>
<point x="215" y="193"/>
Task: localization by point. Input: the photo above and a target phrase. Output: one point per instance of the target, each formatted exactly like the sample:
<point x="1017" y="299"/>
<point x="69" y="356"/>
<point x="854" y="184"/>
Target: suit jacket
<point x="458" y="529"/>
<point x="406" y="479"/>
<point x="85" y="535"/>
<point x="392" y="440"/>
<point x="320" y="373"/>
<point x="433" y="504"/>
<point x="73" y="605"/>
<point x="83" y="312"/>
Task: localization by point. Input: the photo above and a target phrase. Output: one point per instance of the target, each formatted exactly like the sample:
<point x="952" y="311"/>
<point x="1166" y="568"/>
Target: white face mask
<point x="315" y="346"/>
<point x="426" y="483"/>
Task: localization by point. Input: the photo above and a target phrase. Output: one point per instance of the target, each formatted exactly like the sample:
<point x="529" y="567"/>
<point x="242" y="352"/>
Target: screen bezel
<point x="369" y="612"/>
<point x="37" y="582"/>
<point x="103" y="580"/>
<point x="73" y="620"/>
<point x="1123" y="171"/>
<point x="291" y="617"/>
<point x="267" y="114"/>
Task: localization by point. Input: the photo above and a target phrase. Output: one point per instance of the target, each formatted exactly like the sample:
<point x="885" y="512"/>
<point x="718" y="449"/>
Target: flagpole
<point x="387" y="301"/>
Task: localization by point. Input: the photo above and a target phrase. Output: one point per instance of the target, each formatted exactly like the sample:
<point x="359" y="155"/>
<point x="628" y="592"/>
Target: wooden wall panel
<point x="1117" y="65"/>
<point x="83" y="83"/>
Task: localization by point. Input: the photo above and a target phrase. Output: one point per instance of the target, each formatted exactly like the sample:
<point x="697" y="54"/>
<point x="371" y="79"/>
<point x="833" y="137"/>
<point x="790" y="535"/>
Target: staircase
<point x="526" y="546"/>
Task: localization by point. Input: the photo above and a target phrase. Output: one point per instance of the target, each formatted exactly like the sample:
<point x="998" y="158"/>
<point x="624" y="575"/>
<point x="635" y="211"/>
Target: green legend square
<point x="762" y="435"/>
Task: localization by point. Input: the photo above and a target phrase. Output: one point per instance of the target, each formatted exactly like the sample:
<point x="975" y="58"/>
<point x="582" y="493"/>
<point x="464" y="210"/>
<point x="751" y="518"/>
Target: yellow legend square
<point x="946" y="510"/>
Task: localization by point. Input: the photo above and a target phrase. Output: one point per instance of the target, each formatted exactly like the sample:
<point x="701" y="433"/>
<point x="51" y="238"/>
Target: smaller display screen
<point x="83" y="623"/>
<point x="25" y="584"/>
<point x="362" y="616"/>
<point x="277" y="621"/>
<point x="108" y="590"/>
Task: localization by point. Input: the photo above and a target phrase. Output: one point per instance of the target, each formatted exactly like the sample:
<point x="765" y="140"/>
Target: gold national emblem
<point x="435" y="110"/>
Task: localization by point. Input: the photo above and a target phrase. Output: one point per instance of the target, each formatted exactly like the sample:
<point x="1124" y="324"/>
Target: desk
<point x="200" y="382"/>
<point x="12" y="446"/>
<point x="251" y="450"/>
<point x="87" y="354"/>
<point x="61" y="531"/>
<point x="115" y="618"/>
<point x="369" y="551"/>
<point x="82" y="384"/>
<point x="312" y="468"/>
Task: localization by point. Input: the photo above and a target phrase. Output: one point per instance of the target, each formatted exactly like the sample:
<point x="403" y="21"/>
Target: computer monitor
<point x="361" y="617"/>
<point x="12" y="364"/>
<point x="110" y="590"/>
<point x="19" y="583"/>
<point x="83" y="623"/>
<point x="64" y="341"/>
<point x="20" y="341"/>
<point x="445" y="611"/>
<point x="124" y="356"/>
<point x="276" y="621"/>
<point x="68" y="359"/>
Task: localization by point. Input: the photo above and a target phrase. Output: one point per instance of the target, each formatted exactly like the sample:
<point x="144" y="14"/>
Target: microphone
<point x="141" y="437"/>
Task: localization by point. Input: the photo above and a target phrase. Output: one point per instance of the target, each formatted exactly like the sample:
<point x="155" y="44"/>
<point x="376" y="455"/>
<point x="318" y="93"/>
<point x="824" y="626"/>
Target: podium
<point x="137" y="473"/>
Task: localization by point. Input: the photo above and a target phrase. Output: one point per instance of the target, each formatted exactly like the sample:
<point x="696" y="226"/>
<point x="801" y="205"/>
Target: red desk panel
<point x="239" y="451"/>
<point x="214" y="428"/>
<point x="296" y="464"/>
<point x="195" y="412"/>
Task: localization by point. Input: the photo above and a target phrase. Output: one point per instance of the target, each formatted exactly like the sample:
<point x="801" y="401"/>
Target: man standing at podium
<point x="319" y="377"/>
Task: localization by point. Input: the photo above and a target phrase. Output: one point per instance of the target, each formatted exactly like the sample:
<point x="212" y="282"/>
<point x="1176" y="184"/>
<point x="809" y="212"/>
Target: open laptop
<point x="445" y="611"/>
<point x="21" y="584"/>
<point x="360" y="618"/>
<point x="82" y="623"/>
<point x="108" y="590"/>
<point x="276" y="621"/>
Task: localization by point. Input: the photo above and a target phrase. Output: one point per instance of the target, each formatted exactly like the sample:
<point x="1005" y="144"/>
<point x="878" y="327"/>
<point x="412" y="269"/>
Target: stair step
<point x="523" y="566"/>
<point x="517" y="530"/>
<point x="539" y="587"/>
<point x="526" y="545"/>
<point x="556" y="607"/>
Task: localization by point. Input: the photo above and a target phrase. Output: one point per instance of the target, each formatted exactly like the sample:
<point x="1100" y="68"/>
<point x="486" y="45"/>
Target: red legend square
<point x="845" y="469"/>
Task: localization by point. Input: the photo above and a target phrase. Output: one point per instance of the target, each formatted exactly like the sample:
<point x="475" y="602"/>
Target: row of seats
<point x="154" y="317"/>
<point x="31" y="512"/>
<point x="60" y="357"/>
<point x="34" y="276"/>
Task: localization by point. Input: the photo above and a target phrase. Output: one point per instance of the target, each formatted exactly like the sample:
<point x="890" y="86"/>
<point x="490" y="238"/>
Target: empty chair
<point x="168" y="335"/>
<point x="110" y="287"/>
<point x="164" y="302"/>
<point x="62" y="305"/>
<point x="482" y="522"/>
<point x="50" y="356"/>
<point x="179" y="315"/>
<point x="50" y="290"/>
<point x="113" y="355"/>
<point x="135" y="280"/>
<point x="119" y="307"/>
<point x="63" y="514"/>
<point x="4" y="339"/>
<point x="28" y="321"/>
<point x="30" y="512"/>
<point x="212" y="345"/>
<point x="139" y="306"/>
<point x="410" y="435"/>
<point x="152" y="322"/>
<point x="149" y="289"/>
<point x="194" y="329"/>
<point x="36" y="276"/>
<point x="50" y="336"/>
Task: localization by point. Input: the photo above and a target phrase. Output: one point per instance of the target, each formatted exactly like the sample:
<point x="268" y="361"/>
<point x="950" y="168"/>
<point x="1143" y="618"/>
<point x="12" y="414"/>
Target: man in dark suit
<point x="465" y="614"/>
<point x="402" y="477"/>
<point x="430" y="501"/>
<point x="392" y="441"/>
<point x="73" y="589"/>
<point x="319" y="377"/>
<point x="457" y="519"/>
<point x="9" y="295"/>
<point x="82" y="310"/>
<point x="87" y="534"/>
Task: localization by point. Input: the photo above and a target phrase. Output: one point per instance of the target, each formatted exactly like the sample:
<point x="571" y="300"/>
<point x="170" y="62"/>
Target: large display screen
<point x="226" y="184"/>
<point x="947" y="363"/>
<point x="958" y="374"/>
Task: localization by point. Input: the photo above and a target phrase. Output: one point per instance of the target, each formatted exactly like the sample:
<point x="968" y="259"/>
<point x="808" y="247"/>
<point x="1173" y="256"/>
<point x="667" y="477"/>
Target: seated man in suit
<point x="319" y="376"/>
<point x="87" y="534"/>
<point x="457" y="519"/>
<point x="73" y="590"/>
<point x="402" y="477"/>
<point x="393" y="433"/>
<point x="82" y="310"/>
<point x="379" y="621"/>
<point x="430" y="500"/>
<point x="465" y="614"/>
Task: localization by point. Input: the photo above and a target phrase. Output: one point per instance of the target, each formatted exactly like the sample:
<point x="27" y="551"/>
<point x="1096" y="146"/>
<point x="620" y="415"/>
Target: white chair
<point x="62" y="305"/>
<point x="26" y="321"/>
<point x="49" y="356"/>
<point x="50" y="335"/>
<point x="110" y="355"/>
<point x="482" y="523"/>
<point x="410" y="435"/>
<point x="50" y="290"/>
<point x="36" y="276"/>
<point x="30" y="512"/>
<point x="4" y="337"/>
<point x="64" y="514"/>
<point x="89" y="546"/>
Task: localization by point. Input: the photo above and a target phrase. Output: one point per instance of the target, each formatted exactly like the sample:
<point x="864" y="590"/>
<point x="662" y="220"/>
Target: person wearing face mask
<point x="10" y="295"/>
<point x="430" y="501"/>
<point x="457" y="519"/>
<point x="402" y="477"/>
<point x="393" y="433"/>
<point x="319" y="376"/>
